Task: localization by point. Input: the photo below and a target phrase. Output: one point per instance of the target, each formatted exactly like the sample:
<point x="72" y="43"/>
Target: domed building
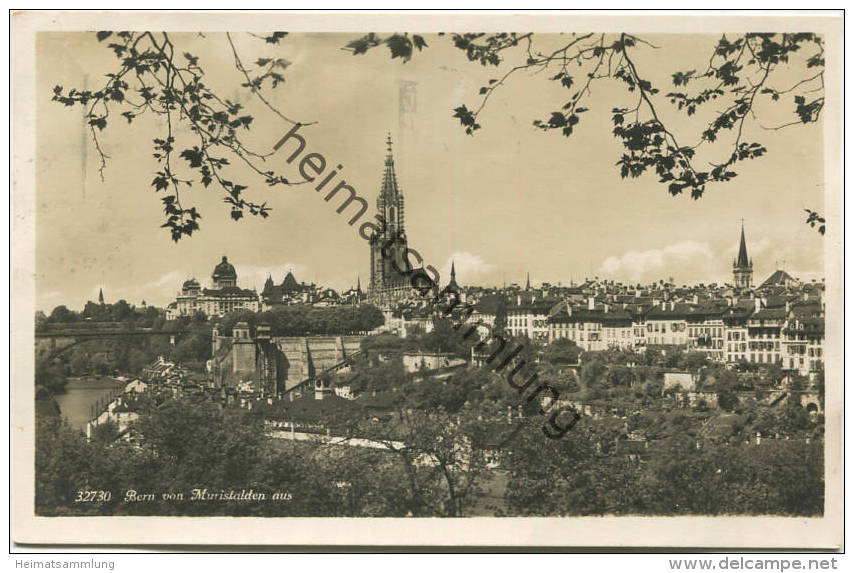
<point x="191" y="287"/>
<point x="224" y="297"/>
<point x="224" y="274"/>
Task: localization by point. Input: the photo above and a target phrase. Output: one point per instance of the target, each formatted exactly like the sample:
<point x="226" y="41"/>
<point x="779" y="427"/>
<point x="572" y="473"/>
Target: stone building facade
<point x="260" y="363"/>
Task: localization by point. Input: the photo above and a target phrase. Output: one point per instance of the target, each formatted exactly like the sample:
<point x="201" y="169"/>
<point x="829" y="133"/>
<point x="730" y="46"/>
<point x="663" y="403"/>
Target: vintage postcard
<point x="427" y="279"/>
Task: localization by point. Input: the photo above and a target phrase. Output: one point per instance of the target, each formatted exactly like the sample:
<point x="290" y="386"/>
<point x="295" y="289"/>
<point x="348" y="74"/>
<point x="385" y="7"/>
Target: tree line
<point x="436" y="464"/>
<point x="119" y="312"/>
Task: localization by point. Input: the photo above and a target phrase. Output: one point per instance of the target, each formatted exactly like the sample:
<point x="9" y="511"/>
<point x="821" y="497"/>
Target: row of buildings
<point x="779" y="322"/>
<point x="781" y="325"/>
<point x="784" y="329"/>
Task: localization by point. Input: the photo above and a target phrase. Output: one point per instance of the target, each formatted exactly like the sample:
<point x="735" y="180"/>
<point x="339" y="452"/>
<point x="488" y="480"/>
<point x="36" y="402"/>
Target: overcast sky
<point x="507" y="201"/>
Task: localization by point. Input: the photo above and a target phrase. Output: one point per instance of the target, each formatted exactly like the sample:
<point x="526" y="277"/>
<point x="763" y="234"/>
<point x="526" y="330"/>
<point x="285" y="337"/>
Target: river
<point x="83" y="393"/>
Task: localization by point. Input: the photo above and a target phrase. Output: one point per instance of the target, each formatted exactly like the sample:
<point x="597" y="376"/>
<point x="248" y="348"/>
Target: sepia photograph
<point x="585" y="272"/>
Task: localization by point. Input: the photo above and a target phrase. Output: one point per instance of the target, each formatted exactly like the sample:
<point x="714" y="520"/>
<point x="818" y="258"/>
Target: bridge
<point x="53" y="340"/>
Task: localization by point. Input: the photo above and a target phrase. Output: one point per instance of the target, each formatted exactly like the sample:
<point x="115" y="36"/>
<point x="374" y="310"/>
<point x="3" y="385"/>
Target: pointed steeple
<point x="390" y="200"/>
<point x="101" y="296"/>
<point x="358" y="284"/>
<point x="452" y="284"/>
<point x="742" y="267"/>
<point x="389" y="185"/>
<point x="742" y="261"/>
<point x="528" y="282"/>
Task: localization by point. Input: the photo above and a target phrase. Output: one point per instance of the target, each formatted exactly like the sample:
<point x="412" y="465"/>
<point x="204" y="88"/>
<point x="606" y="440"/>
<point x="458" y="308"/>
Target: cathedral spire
<point x="390" y="200"/>
<point x="528" y="282"/>
<point x="389" y="185"/>
<point x="100" y="296"/>
<point x="386" y="279"/>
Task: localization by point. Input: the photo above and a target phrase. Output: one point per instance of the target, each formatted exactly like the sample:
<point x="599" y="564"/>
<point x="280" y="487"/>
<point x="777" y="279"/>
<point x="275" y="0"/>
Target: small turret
<point x="322" y="388"/>
<point x="240" y="331"/>
<point x="268" y="285"/>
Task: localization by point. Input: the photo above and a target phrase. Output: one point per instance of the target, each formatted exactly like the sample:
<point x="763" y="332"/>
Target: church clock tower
<point x="742" y="267"/>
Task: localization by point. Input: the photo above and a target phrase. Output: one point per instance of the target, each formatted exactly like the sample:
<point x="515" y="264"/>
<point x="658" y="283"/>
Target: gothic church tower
<point x="389" y="246"/>
<point x="742" y="267"/>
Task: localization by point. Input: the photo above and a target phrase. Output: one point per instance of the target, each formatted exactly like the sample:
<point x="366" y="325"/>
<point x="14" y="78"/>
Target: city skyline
<point x="253" y="277"/>
<point x="625" y="230"/>
<point x="299" y="271"/>
<point x="391" y="267"/>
